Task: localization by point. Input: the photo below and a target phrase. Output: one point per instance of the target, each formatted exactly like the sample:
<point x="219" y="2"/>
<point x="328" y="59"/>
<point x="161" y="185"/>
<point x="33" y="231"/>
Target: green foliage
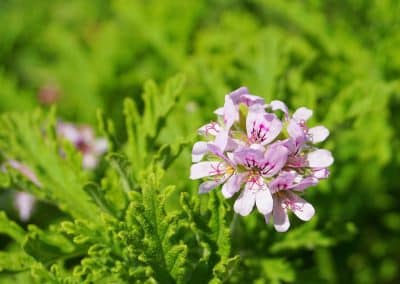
<point x="119" y="230"/>
<point x="340" y="58"/>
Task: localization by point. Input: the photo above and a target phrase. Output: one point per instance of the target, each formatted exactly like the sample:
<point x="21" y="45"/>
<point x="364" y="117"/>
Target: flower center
<point x="217" y="169"/>
<point x="258" y="134"/>
<point x="287" y="203"/>
<point x="255" y="181"/>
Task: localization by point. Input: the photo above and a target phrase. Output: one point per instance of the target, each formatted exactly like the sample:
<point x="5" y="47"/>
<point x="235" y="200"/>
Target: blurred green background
<point x="340" y="58"/>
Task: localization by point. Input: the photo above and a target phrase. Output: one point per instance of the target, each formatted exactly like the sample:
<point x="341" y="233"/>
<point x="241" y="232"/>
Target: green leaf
<point x="11" y="228"/>
<point x="15" y="261"/>
<point x="31" y="138"/>
<point x="302" y="237"/>
<point x="48" y="247"/>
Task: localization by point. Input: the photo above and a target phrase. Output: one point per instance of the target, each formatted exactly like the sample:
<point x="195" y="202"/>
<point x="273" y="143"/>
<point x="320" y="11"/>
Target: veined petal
<point x="245" y="202"/>
<point x="318" y="134"/>
<point x="274" y="160"/>
<point x="211" y="128"/>
<point x="275" y="126"/>
<point x="209" y="185"/>
<point x="262" y="127"/>
<point x="281" y="218"/>
<point x="320" y="158"/>
<point x="205" y="169"/>
<point x="302" y="114"/>
<point x="232" y="185"/>
<point x="281" y="182"/>
<point x="301" y="208"/>
<point x="248" y="157"/>
<point x="198" y="151"/>
<point x="294" y="129"/>
<point x="264" y="201"/>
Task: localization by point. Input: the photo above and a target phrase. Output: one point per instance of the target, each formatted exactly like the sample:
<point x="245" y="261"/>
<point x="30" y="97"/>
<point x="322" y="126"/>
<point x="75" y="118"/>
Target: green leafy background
<point x="138" y="218"/>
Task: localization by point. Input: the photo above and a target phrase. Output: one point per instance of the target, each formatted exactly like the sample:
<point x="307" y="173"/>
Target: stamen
<point x="258" y="134"/>
<point x="289" y="204"/>
<point x="255" y="180"/>
<point x="217" y="170"/>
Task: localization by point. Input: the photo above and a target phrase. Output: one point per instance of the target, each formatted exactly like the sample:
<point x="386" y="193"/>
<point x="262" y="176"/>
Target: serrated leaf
<point x="47" y="247"/>
<point x="11" y="228"/>
<point x="15" y="261"/>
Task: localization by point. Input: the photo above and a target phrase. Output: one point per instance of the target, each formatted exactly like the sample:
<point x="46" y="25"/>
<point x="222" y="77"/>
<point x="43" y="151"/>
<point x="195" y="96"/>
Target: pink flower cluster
<point x="266" y="160"/>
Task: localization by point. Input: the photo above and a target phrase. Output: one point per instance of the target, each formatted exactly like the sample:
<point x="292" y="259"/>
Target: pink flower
<point x="283" y="190"/>
<point x="229" y="113"/>
<point x="262" y="127"/>
<point x="267" y="161"/>
<point x="85" y="141"/>
<point x="220" y="169"/>
<point x="24" y="202"/>
<point x="258" y="166"/>
<point x="285" y="201"/>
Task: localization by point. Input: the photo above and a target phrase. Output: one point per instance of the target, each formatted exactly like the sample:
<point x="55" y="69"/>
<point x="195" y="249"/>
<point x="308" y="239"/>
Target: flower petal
<point x="274" y="160"/>
<point x="221" y="140"/>
<point x="231" y="114"/>
<point x="320" y="158"/>
<point x="279" y="105"/>
<point x="275" y="127"/>
<point x="24" y="170"/>
<point x="89" y="161"/>
<point x="211" y="128"/>
<point x="232" y="185"/>
<point x="321" y="173"/>
<point x="318" y="134"/>
<point x="281" y="218"/>
<point x="100" y="146"/>
<point x="198" y="151"/>
<point x="25" y="204"/>
<point x="283" y="181"/>
<point x="219" y="111"/>
<point x="302" y="114"/>
<point x="264" y="201"/>
<point x="294" y="129"/>
<point x="237" y="94"/>
<point x="248" y="157"/>
<point x="205" y="169"/>
<point x="242" y="95"/>
<point x="209" y="185"/>
<point x="245" y="202"/>
<point x="262" y="127"/>
<point x="69" y="132"/>
<point x="305" y="183"/>
<point x="302" y="209"/>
